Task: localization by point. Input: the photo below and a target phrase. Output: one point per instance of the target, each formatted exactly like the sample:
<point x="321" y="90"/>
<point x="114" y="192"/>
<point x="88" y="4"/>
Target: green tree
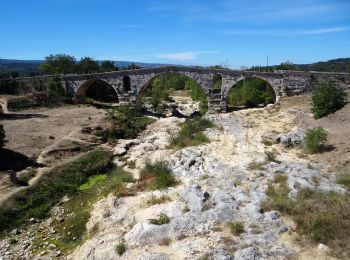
<point x="88" y="65"/>
<point x="59" y="63"/>
<point x="2" y="136"/>
<point x="107" y="66"/>
<point x="327" y="99"/>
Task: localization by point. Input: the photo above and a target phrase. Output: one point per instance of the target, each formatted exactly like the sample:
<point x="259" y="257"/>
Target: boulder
<point x="293" y="138"/>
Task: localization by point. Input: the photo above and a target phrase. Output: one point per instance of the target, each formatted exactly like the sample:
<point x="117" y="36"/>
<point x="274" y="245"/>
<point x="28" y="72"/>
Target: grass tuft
<point x="161" y="220"/>
<point x="156" y="176"/>
<point x="236" y="228"/>
<point x="191" y="133"/>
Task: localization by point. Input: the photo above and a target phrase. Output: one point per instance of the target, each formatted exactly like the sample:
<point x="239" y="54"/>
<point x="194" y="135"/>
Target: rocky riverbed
<point x="217" y="185"/>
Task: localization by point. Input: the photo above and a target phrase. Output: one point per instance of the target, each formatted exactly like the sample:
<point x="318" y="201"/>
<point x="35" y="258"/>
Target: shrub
<point x="327" y="99"/>
<point x="315" y="139"/>
<point x="157" y="175"/>
<point x="161" y="220"/>
<point x="191" y="133"/>
<point x="120" y="249"/>
<point x="236" y="228"/>
<point x="270" y="156"/>
<point x="2" y="136"/>
<point x="126" y="122"/>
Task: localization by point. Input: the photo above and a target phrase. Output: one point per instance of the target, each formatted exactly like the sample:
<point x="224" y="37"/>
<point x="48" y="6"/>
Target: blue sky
<point x="235" y="33"/>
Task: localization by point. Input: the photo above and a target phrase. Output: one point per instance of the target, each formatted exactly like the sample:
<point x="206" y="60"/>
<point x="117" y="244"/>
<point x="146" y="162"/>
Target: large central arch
<point x="103" y="91"/>
<point x="141" y="92"/>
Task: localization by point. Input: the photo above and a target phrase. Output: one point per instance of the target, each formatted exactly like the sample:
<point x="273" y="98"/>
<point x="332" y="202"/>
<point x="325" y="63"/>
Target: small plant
<point x="132" y="164"/>
<point x="236" y="228"/>
<point x="161" y="220"/>
<point x="165" y="241"/>
<point x="120" y="248"/>
<point x="157" y="176"/>
<point x="315" y="139"/>
<point x="327" y="99"/>
<point x="256" y="166"/>
<point x="154" y="200"/>
<point x="270" y="156"/>
<point x="266" y="142"/>
<point x="13" y="241"/>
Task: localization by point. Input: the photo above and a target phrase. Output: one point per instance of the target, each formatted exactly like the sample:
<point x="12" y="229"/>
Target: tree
<point x="2" y="136"/>
<point x="59" y="63"/>
<point x="133" y="66"/>
<point x="88" y="65"/>
<point x="107" y="66"/>
<point x="327" y="99"/>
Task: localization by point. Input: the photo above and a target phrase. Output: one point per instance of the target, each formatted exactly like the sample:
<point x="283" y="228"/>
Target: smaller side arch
<point x="126" y="83"/>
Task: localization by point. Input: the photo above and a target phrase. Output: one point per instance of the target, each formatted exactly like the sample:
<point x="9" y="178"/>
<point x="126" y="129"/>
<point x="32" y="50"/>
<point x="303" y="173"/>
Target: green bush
<point x="2" y="136"/>
<point x="36" y="201"/>
<point x="126" y="122"/>
<point x="315" y="139"/>
<point x="120" y="249"/>
<point x="191" y="133"/>
<point x="157" y="175"/>
<point x="327" y="99"/>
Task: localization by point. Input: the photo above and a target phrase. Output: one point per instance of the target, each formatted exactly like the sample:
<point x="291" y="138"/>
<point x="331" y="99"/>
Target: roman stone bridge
<point x="131" y="84"/>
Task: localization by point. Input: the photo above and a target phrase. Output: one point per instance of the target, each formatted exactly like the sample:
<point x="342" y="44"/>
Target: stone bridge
<point x="131" y="84"/>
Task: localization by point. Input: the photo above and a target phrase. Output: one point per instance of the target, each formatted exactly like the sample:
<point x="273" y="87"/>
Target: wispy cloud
<point x="184" y="56"/>
<point x="261" y="11"/>
<point x="285" y="32"/>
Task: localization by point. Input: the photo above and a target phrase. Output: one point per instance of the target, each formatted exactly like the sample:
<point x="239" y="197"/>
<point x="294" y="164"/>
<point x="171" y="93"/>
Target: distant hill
<point x="26" y="67"/>
<point x="336" y="65"/>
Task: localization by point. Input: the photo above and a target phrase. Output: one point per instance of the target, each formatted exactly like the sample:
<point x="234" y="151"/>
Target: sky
<point x="232" y="33"/>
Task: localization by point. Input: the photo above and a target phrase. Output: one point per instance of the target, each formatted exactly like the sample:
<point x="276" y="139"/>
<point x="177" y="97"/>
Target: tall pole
<point x="267" y="61"/>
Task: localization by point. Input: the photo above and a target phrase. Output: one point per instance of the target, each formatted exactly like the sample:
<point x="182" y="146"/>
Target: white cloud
<point x="285" y="32"/>
<point x="184" y="56"/>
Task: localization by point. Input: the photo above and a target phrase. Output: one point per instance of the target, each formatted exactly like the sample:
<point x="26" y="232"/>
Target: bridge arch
<point x="272" y="88"/>
<point x="98" y="89"/>
<point x="141" y="92"/>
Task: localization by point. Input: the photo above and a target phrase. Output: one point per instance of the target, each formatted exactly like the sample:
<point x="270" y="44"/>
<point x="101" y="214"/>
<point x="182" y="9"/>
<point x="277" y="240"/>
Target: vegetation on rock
<point x="323" y="217"/>
<point x="191" y="133"/>
<point x="157" y="176"/>
<point x="125" y="122"/>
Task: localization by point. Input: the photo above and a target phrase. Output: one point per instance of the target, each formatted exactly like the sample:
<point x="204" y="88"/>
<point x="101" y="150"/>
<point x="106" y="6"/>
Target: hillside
<point x="27" y="67"/>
